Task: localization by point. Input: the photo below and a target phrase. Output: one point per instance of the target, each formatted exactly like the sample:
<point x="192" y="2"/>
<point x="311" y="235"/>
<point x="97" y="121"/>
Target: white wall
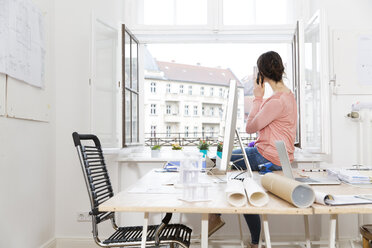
<point x="72" y="41"/>
<point x="27" y="164"/>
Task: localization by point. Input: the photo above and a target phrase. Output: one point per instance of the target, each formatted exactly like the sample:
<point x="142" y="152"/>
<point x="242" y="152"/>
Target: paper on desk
<point x="299" y="194"/>
<point x="334" y="200"/>
<point x="256" y="195"/>
<point x="235" y="193"/>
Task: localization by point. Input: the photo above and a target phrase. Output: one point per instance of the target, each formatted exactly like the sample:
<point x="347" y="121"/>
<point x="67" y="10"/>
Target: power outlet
<point x="83" y="217"/>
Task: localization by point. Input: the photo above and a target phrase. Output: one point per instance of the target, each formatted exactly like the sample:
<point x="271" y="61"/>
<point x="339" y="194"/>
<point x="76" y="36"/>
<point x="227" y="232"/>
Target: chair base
<point x="172" y="233"/>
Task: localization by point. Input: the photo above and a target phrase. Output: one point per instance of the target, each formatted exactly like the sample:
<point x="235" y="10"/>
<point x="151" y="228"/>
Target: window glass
<point x="128" y="138"/>
<point x="127" y="60"/>
<point x="257" y="12"/>
<point x="134" y="66"/>
<point x="134" y="118"/>
<point x="174" y="12"/>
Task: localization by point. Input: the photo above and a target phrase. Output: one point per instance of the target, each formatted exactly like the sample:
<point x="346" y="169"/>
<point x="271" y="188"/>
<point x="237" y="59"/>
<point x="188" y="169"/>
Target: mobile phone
<point x="259" y="78"/>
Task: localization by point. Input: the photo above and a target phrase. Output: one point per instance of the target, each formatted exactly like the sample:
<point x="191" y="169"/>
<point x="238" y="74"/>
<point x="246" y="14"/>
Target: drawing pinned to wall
<point x="364" y="60"/>
<point x="22" y="45"/>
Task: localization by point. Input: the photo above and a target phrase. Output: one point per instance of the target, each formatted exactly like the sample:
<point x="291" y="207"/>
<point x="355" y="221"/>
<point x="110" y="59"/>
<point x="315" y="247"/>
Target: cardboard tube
<point x="235" y="193"/>
<point x="256" y="195"/>
<point x="299" y="194"/>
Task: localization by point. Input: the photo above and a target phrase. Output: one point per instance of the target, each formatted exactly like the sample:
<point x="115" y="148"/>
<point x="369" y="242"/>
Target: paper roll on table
<point x="238" y="191"/>
<point x="235" y="193"/>
<point x="299" y="194"/>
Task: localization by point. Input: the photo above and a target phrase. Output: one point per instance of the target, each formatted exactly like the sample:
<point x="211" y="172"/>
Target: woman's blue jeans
<point x="255" y="159"/>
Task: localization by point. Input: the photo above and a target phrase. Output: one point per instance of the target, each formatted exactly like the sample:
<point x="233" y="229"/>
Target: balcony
<point x="175" y="118"/>
<point x="207" y="119"/>
<point x="191" y="138"/>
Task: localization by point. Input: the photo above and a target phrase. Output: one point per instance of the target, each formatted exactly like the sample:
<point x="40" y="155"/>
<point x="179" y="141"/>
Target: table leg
<point x="266" y="231"/>
<point x="204" y="231"/>
<point x="332" y="230"/>
<point x="307" y="231"/>
<point x="144" y="230"/>
<point x="241" y="232"/>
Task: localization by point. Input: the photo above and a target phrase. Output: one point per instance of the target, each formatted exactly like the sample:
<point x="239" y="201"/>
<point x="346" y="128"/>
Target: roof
<point x="197" y="74"/>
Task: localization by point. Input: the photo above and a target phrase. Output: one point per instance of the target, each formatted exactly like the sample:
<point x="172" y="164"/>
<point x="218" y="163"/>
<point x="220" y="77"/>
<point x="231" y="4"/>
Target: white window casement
<point x="169" y="109"/>
<point x="202" y="91"/>
<point x="153" y="109"/>
<point x="195" y="131"/>
<point x="203" y="111"/>
<point x="168" y="88"/>
<point x="212" y="111"/>
<point x="221" y="93"/>
<point x="153" y="131"/>
<point x="212" y="131"/>
<point x="190" y="90"/>
<point x="186" y="131"/>
<point x="237" y="22"/>
<point x="186" y="110"/>
<point x="195" y="110"/>
<point x="153" y="87"/>
<point x="168" y="131"/>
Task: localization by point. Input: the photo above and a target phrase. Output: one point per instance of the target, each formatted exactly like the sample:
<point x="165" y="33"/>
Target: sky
<point x="240" y="58"/>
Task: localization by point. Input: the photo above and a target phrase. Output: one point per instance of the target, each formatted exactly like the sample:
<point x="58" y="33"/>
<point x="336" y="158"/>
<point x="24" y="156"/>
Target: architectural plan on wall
<point x="364" y="60"/>
<point x="22" y="45"/>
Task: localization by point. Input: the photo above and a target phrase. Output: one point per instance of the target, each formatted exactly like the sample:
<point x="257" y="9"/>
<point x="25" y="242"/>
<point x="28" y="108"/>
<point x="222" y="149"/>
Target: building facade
<point x="188" y="101"/>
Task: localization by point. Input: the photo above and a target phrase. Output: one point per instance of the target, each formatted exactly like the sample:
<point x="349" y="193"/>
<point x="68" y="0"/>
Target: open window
<point x="215" y="23"/>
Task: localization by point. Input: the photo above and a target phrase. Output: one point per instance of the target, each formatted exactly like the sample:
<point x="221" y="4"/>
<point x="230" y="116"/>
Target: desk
<point x="152" y="203"/>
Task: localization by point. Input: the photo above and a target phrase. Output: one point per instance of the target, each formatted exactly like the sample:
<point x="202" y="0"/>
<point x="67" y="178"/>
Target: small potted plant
<point x="176" y="146"/>
<point x="203" y="147"/>
<point x="219" y="149"/>
<point x="155" y="151"/>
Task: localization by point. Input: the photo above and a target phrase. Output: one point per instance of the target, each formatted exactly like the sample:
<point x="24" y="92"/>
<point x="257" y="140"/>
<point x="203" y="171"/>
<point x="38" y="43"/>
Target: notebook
<point x="287" y="168"/>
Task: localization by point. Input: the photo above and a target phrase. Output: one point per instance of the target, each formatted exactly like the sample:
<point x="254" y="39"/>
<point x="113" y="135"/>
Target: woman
<point x="274" y="118"/>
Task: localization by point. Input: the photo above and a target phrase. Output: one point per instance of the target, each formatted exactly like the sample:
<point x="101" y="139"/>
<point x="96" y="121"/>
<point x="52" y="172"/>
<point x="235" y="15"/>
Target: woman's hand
<point x="258" y="89"/>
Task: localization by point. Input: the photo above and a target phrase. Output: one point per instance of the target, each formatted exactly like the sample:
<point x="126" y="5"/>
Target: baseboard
<point x="50" y="244"/>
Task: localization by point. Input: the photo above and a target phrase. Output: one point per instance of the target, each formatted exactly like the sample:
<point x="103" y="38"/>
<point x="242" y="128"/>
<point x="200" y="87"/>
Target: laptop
<point x="287" y="169"/>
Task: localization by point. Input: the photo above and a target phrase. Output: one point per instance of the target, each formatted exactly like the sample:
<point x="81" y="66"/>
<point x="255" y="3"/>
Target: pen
<point x="314" y="170"/>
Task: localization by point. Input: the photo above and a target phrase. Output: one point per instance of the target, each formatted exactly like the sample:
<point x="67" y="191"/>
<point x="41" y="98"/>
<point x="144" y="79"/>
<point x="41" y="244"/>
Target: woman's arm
<point x="258" y="119"/>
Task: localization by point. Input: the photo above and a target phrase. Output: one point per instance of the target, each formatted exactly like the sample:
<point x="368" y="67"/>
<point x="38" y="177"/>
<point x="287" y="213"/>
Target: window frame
<point x="216" y="31"/>
<point x="129" y="87"/>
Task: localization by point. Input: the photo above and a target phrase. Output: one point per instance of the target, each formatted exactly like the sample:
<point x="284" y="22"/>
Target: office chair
<point x="99" y="189"/>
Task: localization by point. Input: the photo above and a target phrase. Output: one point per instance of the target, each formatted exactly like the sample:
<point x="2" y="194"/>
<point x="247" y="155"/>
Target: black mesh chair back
<point x="100" y="190"/>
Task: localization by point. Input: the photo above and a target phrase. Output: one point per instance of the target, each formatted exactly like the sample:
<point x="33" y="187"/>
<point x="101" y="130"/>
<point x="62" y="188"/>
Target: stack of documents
<point x="354" y="176"/>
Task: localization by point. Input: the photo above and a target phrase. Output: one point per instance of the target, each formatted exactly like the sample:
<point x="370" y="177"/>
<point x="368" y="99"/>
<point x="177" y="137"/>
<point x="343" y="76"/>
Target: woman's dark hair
<point x="271" y="66"/>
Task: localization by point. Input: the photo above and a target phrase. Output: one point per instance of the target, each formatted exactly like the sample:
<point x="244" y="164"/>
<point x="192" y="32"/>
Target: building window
<point x="130" y="91"/>
<point x="202" y="91"/>
<point x="186" y="131"/>
<point x="203" y="111"/>
<point x="153" y="87"/>
<point x="195" y="110"/>
<point x="195" y="131"/>
<point x="168" y="88"/>
<point x="220" y="112"/>
<point x="186" y="110"/>
<point x="153" y="131"/>
<point x="153" y="109"/>
<point x="190" y="90"/>
<point x="212" y="111"/>
<point x="221" y="92"/>
<point x="168" y="109"/>
<point x="168" y="131"/>
<point x="212" y="131"/>
<point x="181" y="89"/>
<point x="211" y="91"/>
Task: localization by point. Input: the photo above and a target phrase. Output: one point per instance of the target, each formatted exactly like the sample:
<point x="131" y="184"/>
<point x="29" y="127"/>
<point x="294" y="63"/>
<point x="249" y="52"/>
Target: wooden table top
<point x="166" y="198"/>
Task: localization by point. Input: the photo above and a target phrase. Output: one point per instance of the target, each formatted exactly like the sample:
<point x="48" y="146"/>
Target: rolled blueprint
<point x="299" y="194"/>
<point x="235" y="193"/>
<point x="256" y="194"/>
